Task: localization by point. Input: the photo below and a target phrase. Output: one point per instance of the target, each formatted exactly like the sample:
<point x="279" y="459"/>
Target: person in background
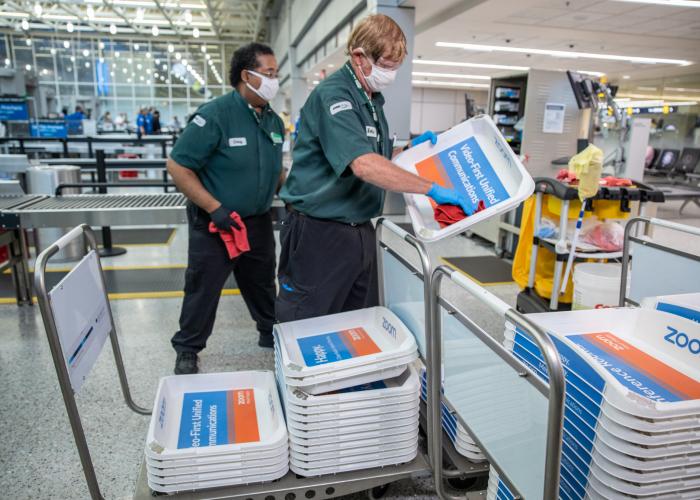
<point x="228" y="162"/>
<point x="141" y="123"/>
<point x="176" y="125"/>
<point x="341" y="169"/>
<point x="156" y="122"/>
<point x="106" y="119"/>
<point x="78" y="115"/>
<point x="64" y="111"/>
<point x="149" y="121"/>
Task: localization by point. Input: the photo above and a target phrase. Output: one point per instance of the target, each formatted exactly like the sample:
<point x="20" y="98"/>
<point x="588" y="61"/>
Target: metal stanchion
<point x="107" y="249"/>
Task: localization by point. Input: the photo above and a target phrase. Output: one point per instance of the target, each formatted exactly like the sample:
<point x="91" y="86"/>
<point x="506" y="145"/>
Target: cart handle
<point x="557" y="388"/>
<point x="648" y="221"/>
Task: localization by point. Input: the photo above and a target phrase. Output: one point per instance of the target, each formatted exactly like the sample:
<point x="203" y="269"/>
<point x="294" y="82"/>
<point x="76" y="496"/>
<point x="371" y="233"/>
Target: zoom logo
<point x="682" y="340"/>
<point x="391" y="329"/>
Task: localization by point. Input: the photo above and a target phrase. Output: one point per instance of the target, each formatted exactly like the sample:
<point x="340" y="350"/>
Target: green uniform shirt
<point x="236" y="153"/>
<point x="337" y="125"/>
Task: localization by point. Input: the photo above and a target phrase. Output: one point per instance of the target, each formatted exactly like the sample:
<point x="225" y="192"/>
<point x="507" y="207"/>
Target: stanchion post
<point x="107" y="249"/>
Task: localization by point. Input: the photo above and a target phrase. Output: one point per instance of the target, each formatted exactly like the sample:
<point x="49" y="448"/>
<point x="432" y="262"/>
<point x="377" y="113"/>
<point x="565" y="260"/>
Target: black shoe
<point x="186" y="363"/>
<point x="266" y="340"/>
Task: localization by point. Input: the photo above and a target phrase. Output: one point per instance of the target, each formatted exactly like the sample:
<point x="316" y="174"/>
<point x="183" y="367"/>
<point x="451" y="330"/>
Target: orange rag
<point x="236" y="240"/>
<point x="446" y="215"/>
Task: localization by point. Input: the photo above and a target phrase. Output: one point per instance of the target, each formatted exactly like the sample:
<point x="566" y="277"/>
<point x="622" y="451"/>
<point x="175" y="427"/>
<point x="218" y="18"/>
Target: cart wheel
<point x="378" y="491"/>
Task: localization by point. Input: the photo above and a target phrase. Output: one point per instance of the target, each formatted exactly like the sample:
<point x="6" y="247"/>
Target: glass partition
<point x="504" y="412"/>
<point x="403" y="295"/>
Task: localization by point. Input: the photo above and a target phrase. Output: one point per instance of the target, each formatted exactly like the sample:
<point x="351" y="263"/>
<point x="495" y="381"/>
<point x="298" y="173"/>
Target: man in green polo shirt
<point x="341" y="169"/>
<point x="229" y="159"/>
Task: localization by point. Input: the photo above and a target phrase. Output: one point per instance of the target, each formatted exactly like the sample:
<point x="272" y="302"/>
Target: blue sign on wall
<point x="14" y="109"/>
<point x="49" y="129"/>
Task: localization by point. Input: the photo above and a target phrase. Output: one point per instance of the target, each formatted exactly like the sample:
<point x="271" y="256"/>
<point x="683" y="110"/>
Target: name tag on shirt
<point x="340" y="106"/>
<point x="237" y="141"/>
<point x="276" y="138"/>
<point x="371" y="131"/>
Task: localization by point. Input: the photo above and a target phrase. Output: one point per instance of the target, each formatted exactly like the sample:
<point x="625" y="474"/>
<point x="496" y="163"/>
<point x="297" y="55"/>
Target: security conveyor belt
<point x="18" y="213"/>
<point x="101" y="210"/>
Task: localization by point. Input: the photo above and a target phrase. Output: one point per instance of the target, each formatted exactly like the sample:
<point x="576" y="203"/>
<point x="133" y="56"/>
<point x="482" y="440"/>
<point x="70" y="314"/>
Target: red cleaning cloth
<point x="236" y="240"/>
<point x="611" y="181"/>
<point x="446" y="215"/>
<point x="565" y="176"/>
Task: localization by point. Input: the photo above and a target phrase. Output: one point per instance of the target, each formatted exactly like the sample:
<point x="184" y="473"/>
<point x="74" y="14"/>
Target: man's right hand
<point x="447" y="196"/>
<point x="221" y="217"/>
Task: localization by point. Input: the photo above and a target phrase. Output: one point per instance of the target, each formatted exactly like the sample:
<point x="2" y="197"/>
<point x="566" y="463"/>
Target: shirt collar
<point x="240" y="100"/>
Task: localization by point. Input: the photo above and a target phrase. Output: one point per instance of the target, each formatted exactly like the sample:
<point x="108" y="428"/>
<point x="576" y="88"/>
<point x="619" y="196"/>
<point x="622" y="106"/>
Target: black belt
<point x="293" y="210"/>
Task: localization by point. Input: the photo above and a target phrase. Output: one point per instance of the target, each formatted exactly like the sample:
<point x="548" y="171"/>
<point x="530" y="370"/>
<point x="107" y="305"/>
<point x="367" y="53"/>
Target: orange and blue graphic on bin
<point x="218" y="417"/>
<point x="465" y="168"/>
<point x="637" y="370"/>
<point x="336" y="346"/>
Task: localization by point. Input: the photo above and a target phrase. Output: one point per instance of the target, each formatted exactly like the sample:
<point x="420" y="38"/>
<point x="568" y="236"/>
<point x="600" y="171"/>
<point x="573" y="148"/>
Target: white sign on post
<point x="553" y="118"/>
<point x="82" y="319"/>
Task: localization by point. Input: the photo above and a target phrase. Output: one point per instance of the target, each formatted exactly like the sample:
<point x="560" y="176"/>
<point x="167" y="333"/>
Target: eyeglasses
<point x="270" y="74"/>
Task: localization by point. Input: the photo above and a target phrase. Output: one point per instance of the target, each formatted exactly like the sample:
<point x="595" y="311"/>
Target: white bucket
<point x="596" y="285"/>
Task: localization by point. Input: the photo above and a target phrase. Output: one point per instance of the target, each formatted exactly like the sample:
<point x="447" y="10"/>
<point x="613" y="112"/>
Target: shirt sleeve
<point x="197" y="142"/>
<point x="341" y="132"/>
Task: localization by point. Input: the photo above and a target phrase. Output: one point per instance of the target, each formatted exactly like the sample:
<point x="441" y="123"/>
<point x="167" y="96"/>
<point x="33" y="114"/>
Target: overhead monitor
<point x="583" y="90"/>
<point x="13" y="109"/>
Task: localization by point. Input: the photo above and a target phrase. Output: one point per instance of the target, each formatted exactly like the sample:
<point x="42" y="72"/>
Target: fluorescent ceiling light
<point x="669" y="98"/>
<point x="451" y="75"/>
<point x="654" y="103"/>
<point x="592" y="73"/>
<point x="60" y="17"/>
<point x="14" y="14"/>
<point x="563" y="53"/>
<point x="469" y="65"/>
<point x="670" y="3"/>
<point x="451" y="84"/>
<point x="681" y="89"/>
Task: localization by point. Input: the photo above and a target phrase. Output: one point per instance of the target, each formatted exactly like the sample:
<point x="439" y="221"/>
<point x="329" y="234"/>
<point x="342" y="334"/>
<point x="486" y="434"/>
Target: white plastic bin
<point x="596" y="285"/>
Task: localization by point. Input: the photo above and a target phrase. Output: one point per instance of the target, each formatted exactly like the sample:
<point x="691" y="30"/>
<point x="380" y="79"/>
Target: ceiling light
<point x="195" y="32"/>
<point x="111" y="73"/>
<point x="178" y="56"/>
<point x="625" y="77"/>
<point x="171" y="48"/>
<point x="44" y="71"/>
<point x="128" y="80"/>
<point x="87" y="64"/>
<point x="148" y="55"/>
<point x="670" y="3"/>
<point x="72" y="58"/>
<point x="86" y="53"/>
<point x="137" y="46"/>
<point x="207" y="57"/>
<point x="102" y="60"/>
<point x="184" y="62"/>
<point x="7" y="61"/>
<point x="113" y="29"/>
<point x="451" y="84"/>
<point x="563" y="53"/>
<point x="116" y="53"/>
<point x="188" y="16"/>
<point x="28" y="67"/>
<point x="124" y="70"/>
<point x="469" y="65"/>
<point x="69" y="27"/>
<point x="130" y="60"/>
<point x="138" y="66"/>
<point x="90" y="11"/>
<point x="101" y="45"/>
<point x="38" y="9"/>
<point x="140" y="12"/>
<point x="154" y="30"/>
<point x="53" y="51"/>
<point x="148" y="82"/>
<point x="451" y="75"/>
<point x="203" y="48"/>
<point x="66" y="44"/>
<point x="681" y="89"/>
<point x="141" y="78"/>
<point x="165" y="67"/>
<point x="25" y="24"/>
<point x="28" y="42"/>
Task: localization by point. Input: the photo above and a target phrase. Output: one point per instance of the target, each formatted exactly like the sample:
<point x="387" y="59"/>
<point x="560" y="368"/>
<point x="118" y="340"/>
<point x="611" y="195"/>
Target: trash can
<point x="45" y="180"/>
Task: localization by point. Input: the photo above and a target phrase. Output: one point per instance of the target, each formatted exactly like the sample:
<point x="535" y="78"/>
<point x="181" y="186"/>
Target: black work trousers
<point x="208" y="268"/>
<point x="326" y="267"/>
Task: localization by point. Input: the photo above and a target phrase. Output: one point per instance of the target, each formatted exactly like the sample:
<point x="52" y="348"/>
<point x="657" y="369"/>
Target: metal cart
<point x="538" y="447"/>
<point x="529" y="300"/>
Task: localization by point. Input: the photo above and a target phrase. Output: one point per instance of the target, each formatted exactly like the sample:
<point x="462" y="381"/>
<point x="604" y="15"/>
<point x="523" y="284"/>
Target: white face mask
<point x="268" y="88"/>
<point x="380" y="78"/>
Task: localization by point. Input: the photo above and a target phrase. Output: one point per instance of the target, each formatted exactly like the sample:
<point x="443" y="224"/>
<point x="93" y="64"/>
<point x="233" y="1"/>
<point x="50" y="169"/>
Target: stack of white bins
<point x="632" y="410"/>
<point x="351" y="397"/>
<point x="460" y="438"/>
<point x="217" y="429"/>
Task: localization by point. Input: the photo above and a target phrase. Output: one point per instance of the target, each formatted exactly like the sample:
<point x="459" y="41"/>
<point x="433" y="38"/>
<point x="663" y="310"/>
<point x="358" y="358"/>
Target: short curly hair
<point x="246" y="57"/>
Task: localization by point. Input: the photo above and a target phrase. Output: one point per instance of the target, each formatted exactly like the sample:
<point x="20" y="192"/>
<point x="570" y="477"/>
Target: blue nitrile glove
<point x="428" y="135"/>
<point x="444" y="196"/>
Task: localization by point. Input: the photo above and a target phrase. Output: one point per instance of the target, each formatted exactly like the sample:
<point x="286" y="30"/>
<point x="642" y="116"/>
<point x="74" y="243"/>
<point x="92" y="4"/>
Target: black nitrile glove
<point x="221" y="217"/>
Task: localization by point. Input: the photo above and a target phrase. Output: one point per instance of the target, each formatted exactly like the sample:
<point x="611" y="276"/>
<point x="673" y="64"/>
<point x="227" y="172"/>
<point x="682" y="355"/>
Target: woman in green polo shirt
<point x="229" y="159"/>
